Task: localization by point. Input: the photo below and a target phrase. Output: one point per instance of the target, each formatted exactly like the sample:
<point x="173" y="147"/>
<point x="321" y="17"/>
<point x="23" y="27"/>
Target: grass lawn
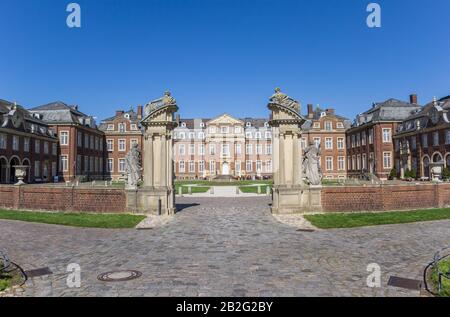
<point x="253" y="189"/>
<point x="195" y="189"/>
<point x="352" y="220"/>
<point x="9" y="279"/>
<point x="213" y="183"/>
<point x="111" y="221"/>
<point x="444" y="266"/>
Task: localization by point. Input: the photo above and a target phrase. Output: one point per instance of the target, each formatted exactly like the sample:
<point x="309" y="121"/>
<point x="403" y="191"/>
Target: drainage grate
<point x="306" y="230"/>
<point x="119" y="276"/>
<point x="38" y="272"/>
<point x="401" y="282"/>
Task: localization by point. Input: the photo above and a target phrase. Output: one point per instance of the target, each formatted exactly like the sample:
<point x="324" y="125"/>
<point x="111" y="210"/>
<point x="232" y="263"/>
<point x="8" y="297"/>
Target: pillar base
<point x="296" y="199"/>
<point x="153" y="201"/>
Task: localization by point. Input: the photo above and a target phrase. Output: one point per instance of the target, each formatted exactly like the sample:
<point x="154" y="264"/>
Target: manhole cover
<point x="119" y="276"/>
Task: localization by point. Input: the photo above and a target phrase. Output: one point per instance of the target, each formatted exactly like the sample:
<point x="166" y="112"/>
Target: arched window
<point x="437" y="157"/>
<point x="426" y="167"/>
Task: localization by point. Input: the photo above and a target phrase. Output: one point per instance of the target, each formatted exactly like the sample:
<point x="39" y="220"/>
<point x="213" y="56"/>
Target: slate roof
<point x="387" y="111"/>
<point x="60" y="113"/>
<point x="195" y="123"/>
<point x="317" y="114"/>
<point x="133" y="118"/>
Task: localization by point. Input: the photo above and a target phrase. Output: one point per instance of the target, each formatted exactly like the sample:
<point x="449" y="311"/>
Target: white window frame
<point x="124" y="145"/>
<point x="64" y="138"/>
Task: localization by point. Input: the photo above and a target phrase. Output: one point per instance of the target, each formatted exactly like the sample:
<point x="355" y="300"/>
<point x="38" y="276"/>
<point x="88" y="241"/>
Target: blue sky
<point x="221" y="56"/>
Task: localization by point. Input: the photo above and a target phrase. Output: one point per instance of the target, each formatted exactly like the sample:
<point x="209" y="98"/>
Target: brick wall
<point x="67" y="199"/>
<point x="385" y="197"/>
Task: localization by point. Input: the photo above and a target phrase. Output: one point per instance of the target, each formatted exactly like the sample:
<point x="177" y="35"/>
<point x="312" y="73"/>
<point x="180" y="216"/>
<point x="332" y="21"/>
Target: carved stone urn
<point x="20" y="173"/>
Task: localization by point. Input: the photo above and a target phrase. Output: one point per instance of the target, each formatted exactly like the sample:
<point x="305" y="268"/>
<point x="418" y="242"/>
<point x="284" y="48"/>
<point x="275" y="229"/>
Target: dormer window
<point x="212" y="129"/>
<point x="122" y="127"/>
<point x="248" y="124"/>
<point x="202" y="125"/>
<point x="127" y="116"/>
<point x="340" y="125"/>
<point x="110" y="127"/>
<point x="134" y="126"/>
<point x="266" y="124"/>
<point x="328" y="126"/>
<point x="183" y="124"/>
<point x="323" y="114"/>
<point x="316" y="125"/>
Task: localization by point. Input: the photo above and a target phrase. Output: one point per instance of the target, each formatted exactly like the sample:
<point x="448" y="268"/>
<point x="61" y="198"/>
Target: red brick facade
<point x="67" y="199"/>
<point x="385" y="197"/>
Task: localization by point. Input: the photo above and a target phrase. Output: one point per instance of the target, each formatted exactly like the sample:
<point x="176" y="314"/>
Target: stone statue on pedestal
<point x="311" y="165"/>
<point x="284" y="100"/>
<point x="133" y="167"/>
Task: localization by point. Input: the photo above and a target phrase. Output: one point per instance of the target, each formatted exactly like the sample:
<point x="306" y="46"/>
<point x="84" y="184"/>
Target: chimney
<point x="119" y="113"/>
<point x="310" y="111"/>
<point x="139" y="111"/>
<point x="177" y="119"/>
<point x="413" y="99"/>
<point x="330" y="111"/>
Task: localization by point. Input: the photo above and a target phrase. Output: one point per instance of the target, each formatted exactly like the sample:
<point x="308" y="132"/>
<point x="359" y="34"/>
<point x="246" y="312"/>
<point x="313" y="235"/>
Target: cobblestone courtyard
<point x="224" y="247"/>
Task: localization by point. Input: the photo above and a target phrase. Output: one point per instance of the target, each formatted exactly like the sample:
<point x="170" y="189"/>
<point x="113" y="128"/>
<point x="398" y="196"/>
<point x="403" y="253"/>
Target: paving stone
<point x="223" y="247"/>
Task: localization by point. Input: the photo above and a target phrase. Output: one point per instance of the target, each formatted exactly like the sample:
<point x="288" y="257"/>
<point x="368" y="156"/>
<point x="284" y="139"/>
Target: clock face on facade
<point x="435" y="115"/>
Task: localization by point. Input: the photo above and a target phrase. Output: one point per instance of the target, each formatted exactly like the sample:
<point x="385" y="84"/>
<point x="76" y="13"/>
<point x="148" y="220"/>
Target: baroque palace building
<point x="26" y="140"/>
<point x="223" y="147"/>
<point x="370" y="148"/>
<point x="121" y="132"/>
<point x="423" y="139"/>
<point x="327" y="129"/>
<point x="81" y="144"/>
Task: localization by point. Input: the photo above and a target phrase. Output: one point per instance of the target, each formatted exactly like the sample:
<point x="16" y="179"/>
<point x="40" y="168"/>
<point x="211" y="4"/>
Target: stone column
<point x="290" y="194"/>
<point x="157" y="195"/>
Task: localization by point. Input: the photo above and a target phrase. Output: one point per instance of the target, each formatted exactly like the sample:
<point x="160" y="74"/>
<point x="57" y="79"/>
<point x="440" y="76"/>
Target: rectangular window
<point x="303" y="143"/>
<point x="258" y="166"/>
<point x="3" y="141"/>
<point x="371" y="136"/>
<point x="110" y="145"/>
<point x="86" y="164"/>
<point x="64" y="138"/>
<point x="358" y="162"/>
<point x="269" y="166"/>
<point x="358" y="140"/>
<point x="259" y="149"/>
<point x="258" y="135"/>
<point x="122" y="127"/>
<point x="387" y="136"/>
<point x="329" y="163"/>
<point x="212" y="149"/>
<point x="201" y="149"/>
<point x="191" y="167"/>
<point x="341" y="163"/>
<point x="101" y="168"/>
<point x="447" y="137"/>
<point x="191" y="149"/>
<point x="46" y="148"/>
<point x="134" y="126"/>
<point x="268" y="149"/>
<point x="363" y="138"/>
<point x="192" y="135"/>
<point x="328" y="143"/>
<point x="212" y="167"/>
<point x="238" y="149"/>
<point x="212" y="129"/>
<point x="224" y="130"/>
<point x="54" y="149"/>
<point x="181" y="149"/>
<point x="64" y="161"/>
<point x="37" y="169"/>
<point x="248" y="135"/>
<point x="86" y="141"/>
<point x="268" y="135"/>
<point x="340" y="143"/>
<point x="91" y="164"/>
<point x="248" y="149"/>
<point x="201" y="166"/>
<point x="110" y="165"/>
<point x="436" y="138"/>
<point x="110" y="127"/>
<point x="364" y="161"/>
<point x="78" y="164"/>
<point x="248" y="166"/>
<point x="26" y="145"/>
<point x="413" y="143"/>
<point x="80" y="139"/>
<point x="134" y="141"/>
<point x="37" y="146"/>
<point x="92" y="145"/>
<point x="237" y="129"/>
<point x="121" y="165"/>
<point x="225" y="150"/>
<point x="354" y="163"/>
<point x="425" y="140"/>
<point x="15" y="143"/>
<point x="328" y="126"/>
<point x="317" y="141"/>
<point x="182" y="167"/>
<point x="122" y="145"/>
<point x="238" y="166"/>
<point x="387" y="160"/>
